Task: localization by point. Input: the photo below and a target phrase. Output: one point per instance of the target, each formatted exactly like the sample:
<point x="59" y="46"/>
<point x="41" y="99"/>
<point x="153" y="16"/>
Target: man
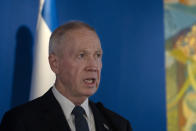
<point x="75" y="56"/>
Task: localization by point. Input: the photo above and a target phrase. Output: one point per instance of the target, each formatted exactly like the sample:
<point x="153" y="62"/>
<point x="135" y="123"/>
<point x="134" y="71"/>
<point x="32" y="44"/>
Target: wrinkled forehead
<point x="80" y="37"/>
<point x="81" y="32"/>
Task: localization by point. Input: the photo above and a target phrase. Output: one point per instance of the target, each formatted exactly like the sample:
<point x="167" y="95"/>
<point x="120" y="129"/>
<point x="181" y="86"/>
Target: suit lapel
<point x="100" y="122"/>
<point x="56" y="121"/>
<point x="53" y="113"/>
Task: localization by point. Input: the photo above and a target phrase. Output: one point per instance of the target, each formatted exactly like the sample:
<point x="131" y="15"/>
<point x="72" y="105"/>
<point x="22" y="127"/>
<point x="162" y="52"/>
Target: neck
<point x="76" y="100"/>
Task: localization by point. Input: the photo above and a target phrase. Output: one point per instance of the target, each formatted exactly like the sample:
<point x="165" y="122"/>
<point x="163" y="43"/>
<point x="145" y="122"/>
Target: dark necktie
<point x="80" y="122"/>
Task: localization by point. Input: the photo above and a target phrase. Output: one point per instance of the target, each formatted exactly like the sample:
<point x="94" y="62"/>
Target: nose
<point x="92" y="64"/>
<point x="91" y="69"/>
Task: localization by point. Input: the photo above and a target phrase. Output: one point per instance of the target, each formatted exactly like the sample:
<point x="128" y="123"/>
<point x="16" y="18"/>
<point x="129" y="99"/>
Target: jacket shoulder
<point x="33" y="106"/>
<point x="14" y="119"/>
<point x="30" y="106"/>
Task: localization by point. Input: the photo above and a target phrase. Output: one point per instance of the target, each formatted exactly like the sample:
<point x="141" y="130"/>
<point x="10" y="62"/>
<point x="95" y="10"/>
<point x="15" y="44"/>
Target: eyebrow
<point x="86" y="50"/>
<point x="100" y="50"/>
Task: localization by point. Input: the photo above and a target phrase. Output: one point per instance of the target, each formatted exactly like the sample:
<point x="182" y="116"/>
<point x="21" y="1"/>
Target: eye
<point x="99" y="55"/>
<point x="81" y="55"/>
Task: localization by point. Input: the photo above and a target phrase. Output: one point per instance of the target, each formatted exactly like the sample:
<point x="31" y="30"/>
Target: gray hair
<point x="62" y="30"/>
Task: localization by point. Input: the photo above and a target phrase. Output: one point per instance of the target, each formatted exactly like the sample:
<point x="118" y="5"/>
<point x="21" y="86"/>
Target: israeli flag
<point x="42" y="76"/>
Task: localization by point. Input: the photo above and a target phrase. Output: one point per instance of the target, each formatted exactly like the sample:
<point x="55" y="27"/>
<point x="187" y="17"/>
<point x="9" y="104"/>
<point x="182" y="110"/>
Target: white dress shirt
<point x="67" y="107"/>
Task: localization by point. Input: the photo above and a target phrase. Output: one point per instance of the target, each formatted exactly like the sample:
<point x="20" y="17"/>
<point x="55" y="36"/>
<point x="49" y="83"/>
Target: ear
<point x="54" y="63"/>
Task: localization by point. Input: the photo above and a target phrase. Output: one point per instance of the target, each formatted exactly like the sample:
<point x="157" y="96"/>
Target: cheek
<point x="71" y="71"/>
<point x="99" y="71"/>
<point x="65" y="69"/>
<point x="100" y="66"/>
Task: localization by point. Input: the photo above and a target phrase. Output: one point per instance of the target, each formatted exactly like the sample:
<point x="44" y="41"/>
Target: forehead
<point x="80" y="39"/>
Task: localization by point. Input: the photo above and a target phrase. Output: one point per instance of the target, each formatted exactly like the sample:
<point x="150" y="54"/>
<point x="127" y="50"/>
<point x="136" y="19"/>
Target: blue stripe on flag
<point x="49" y="14"/>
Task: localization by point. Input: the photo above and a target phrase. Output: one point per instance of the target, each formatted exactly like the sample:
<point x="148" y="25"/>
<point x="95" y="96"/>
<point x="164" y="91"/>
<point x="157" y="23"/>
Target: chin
<point x="90" y="91"/>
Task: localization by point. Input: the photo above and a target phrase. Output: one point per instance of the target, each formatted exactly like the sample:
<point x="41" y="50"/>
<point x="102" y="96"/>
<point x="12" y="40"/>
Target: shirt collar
<point x="85" y="106"/>
<point x="67" y="105"/>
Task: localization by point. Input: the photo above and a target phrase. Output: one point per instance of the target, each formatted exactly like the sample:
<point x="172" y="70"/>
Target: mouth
<point x="90" y="81"/>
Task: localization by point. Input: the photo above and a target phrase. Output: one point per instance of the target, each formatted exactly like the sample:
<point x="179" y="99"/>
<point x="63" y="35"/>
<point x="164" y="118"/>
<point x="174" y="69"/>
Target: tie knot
<point x="78" y="110"/>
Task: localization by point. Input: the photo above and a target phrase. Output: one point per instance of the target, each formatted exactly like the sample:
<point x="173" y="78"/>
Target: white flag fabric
<point x="42" y="76"/>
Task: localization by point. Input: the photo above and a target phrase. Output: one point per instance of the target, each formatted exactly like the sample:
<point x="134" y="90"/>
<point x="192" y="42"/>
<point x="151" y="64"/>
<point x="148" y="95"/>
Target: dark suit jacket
<point x="45" y="114"/>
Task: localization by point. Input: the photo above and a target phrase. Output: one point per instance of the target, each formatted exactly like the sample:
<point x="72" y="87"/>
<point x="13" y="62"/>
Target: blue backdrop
<point x="132" y="36"/>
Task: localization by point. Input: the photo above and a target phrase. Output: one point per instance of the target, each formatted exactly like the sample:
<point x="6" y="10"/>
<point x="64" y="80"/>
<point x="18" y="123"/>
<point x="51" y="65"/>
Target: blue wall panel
<point x="131" y="32"/>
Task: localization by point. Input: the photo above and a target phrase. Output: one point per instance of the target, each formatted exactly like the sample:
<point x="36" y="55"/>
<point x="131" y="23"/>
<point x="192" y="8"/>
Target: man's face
<point x="79" y="66"/>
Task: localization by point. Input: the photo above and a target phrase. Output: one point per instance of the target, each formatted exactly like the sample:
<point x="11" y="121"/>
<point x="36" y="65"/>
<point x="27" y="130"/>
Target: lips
<point x="90" y="81"/>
